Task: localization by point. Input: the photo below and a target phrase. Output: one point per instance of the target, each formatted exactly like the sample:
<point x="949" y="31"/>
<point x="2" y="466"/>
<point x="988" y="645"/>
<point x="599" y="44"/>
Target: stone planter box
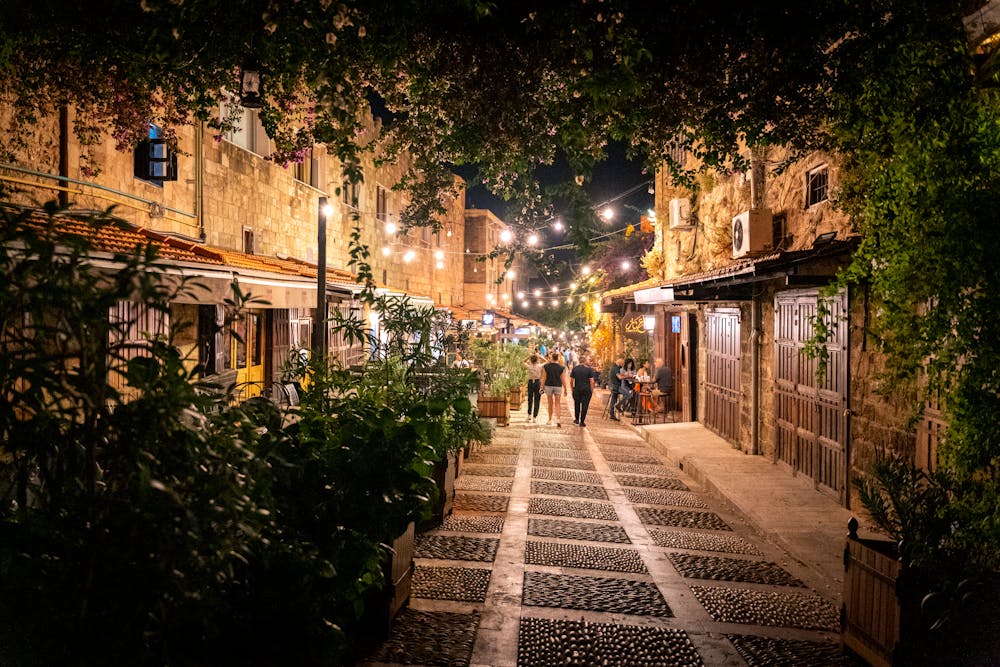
<point x="495" y="406"/>
<point x="382" y="605"/>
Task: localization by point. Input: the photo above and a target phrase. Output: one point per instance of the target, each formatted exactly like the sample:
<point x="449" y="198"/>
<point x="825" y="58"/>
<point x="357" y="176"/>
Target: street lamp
<point x="319" y="331"/>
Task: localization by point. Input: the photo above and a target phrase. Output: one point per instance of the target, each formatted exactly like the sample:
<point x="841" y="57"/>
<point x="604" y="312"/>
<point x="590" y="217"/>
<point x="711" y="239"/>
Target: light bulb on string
<point x="386" y="251"/>
<point x="608" y="214"/>
<point x="391" y="228"/>
<point x="533" y="240"/>
<point x="409" y="256"/>
<point x="506" y="236"/>
<point x="558" y="225"/>
<point x="626" y="265"/>
<point x="440" y="265"/>
<point x="439" y="254"/>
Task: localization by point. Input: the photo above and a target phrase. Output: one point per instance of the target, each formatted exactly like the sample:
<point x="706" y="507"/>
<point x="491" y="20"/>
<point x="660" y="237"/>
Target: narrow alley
<point x="572" y="546"/>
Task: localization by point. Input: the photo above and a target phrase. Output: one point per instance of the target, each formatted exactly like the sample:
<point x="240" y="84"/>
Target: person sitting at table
<point x="644" y="374"/>
<point x="627" y="385"/>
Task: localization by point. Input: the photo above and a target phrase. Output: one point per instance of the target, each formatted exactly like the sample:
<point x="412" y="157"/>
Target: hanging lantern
<point x="250" y="88"/>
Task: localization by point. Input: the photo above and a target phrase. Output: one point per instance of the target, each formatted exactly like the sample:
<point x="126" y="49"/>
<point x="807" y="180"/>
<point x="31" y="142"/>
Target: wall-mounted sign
<point x="675" y="323"/>
<point x="522" y="331"/>
<point x="634" y="326"/>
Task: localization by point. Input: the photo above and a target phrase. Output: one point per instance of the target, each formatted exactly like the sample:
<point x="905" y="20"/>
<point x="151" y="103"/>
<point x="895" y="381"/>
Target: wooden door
<point x="722" y="372"/>
<point x="810" y="412"/>
<point x="248" y="354"/>
<point x="687" y="389"/>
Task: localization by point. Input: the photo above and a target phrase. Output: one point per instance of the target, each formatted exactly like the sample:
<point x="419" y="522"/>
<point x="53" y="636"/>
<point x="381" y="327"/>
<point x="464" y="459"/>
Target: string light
<point x="386" y="251"/>
<point x="533" y="240"/>
<point x="520" y="295"/>
<point x="390" y="228"/>
<point x="558" y="225"/>
<point x="538" y="292"/>
<point x="608" y="214"/>
<point x="506" y="236"/>
<point x="440" y="265"/>
<point x="511" y="274"/>
<point x="409" y="256"/>
<point x="439" y="254"/>
<point x="585" y="270"/>
<point x="524" y="304"/>
<point x="626" y="265"/>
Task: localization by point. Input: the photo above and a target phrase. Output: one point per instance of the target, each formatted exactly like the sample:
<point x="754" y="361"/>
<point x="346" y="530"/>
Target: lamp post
<point x="319" y="342"/>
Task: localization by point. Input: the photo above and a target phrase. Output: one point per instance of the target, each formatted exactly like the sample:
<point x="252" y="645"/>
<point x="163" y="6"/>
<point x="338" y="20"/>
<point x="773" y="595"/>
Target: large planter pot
<point x="382" y="605"/>
<point x="444" y="475"/>
<point x="870" y="615"/>
<point x="894" y="615"/>
<point x="516" y="397"/>
<point x="495" y="406"/>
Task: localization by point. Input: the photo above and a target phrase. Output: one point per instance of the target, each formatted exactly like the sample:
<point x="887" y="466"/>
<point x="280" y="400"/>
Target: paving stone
<point x="471" y="483"/>
<point x="622" y="457"/>
<point x="670" y="483"/>
<point x="682" y="518"/>
<point x="702" y="542"/>
<point x="502" y="449"/>
<point x="566" y="475"/>
<point x="653" y="497"/>
<point x="464" y="584"/>
<point x="572" y="508"/>
<point x="581" y="453"/>
<point x="436" y="638"/>
<point x="612" y="559"/>
<point x="572" y="490"/>
<point x="732" y="569"/>
<point x="575" y="464"/>
<point x="642" y="469"/>
<point x="623" y="442"/>
<point x="558" y="443"/>
<point x="771" y="651"/>
<point x="495" y="459"/>
<point x="480" y="503"/>
<point x="447" y="547"/>
<point x="546" y="642"/>
<point x="618" y="596"/>
<point x="488" y="471"/>
<point x="464" y="523"/>
<point x="577" y="530"/>
<point x="790" y="610"/>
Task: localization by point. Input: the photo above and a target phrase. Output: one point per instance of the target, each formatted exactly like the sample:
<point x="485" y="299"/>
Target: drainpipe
<point x="64" y="151"/>
<point x="199" y="180"/>
<point x="755" y="336"/>
<point x="757" y="161"/>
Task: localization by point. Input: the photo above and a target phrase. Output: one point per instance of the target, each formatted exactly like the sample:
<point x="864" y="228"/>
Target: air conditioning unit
<point x="680" y="213"/>
<point x="752" y="232"/>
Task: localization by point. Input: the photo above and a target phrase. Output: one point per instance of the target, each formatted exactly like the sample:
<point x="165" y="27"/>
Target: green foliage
<point x="922" y="183"/>
<point x="139" y="524"/>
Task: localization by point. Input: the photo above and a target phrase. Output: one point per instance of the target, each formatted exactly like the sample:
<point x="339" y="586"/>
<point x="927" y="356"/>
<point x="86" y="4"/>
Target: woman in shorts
<point x="555" y="382"/>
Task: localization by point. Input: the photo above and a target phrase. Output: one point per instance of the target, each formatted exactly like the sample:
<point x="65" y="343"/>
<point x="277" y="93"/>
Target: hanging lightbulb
<point x="524" y="304"/>
<point x="555" y="289"/>
<point x="386" y="251"/>
<point x="558" y="225"/>
<point x="439" y="254"/>
<point x="555" y="302"/>
<point x="489" y="297"/>
<point x="533" y="239"/>
<point x="506" y="236"/>
<point x="440" y="265"/>
<point x="409" y="256"/>
<point x="511" y="274"/>
<point x="608" y="214"/>
<point x="449" y="234"/>
<point x="520" y="295"/>
<point x="539" y="302"/>
<point x="585" y="270"/>
<point x="625" y="265"/>
<point x="506" y="297"/>
<point x="391" y="228"/>
<point x="572" y="286"/>
<point x="538" y="292"/>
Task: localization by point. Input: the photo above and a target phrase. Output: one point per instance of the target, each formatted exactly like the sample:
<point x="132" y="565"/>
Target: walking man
<point x="582" y="379"/>
<point x="555" y="382"/>
<point x="615" y="385"/>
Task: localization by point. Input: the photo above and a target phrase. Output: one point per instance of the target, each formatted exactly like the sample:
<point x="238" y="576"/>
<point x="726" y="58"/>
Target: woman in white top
<point x="535" y="366"/>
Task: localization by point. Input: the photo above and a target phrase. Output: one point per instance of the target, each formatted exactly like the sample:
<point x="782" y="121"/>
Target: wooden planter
<point x="516" y="397"/>
<point x="444" y="475"/>
<point x="382" y="605"/>
<point x="870" y="615"/>
<point x="495" y="406"/>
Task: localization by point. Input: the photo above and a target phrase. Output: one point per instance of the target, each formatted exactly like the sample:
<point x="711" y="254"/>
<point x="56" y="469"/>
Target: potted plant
<point x="919" y="598"/>
<point x="516" y="371"/>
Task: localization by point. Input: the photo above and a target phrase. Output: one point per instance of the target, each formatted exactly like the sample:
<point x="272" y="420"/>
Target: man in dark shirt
<point x="582" y="380"/>
<point x="664" y="377"/>
<point x="615" y="385"/>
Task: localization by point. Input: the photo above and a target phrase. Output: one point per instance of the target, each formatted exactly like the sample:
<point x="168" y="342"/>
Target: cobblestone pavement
<point x="572" y="546"/>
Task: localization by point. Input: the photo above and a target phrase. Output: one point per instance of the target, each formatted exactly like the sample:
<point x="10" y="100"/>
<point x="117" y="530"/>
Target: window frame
<point x="817" y="194"/>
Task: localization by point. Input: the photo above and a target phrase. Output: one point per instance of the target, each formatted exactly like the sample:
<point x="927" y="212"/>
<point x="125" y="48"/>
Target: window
<point x="817" y="186"/>
<point x="249" y="132"/>
<point x="310" y="169"/>
<point x="248" y="240"/>
<point x="154" y="161"/>
<point x="349" y="194"/>
<point x="381" y="204"/>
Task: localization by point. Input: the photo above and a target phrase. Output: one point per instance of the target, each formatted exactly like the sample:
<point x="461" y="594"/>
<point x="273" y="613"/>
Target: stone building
<point x="737" y="271"/>
<point x="247" y="217"/>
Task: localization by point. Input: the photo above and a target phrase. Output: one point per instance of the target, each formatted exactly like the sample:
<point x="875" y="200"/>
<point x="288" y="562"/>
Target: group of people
<point x="625" y="381"/>
<point x="553" y="379"/>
